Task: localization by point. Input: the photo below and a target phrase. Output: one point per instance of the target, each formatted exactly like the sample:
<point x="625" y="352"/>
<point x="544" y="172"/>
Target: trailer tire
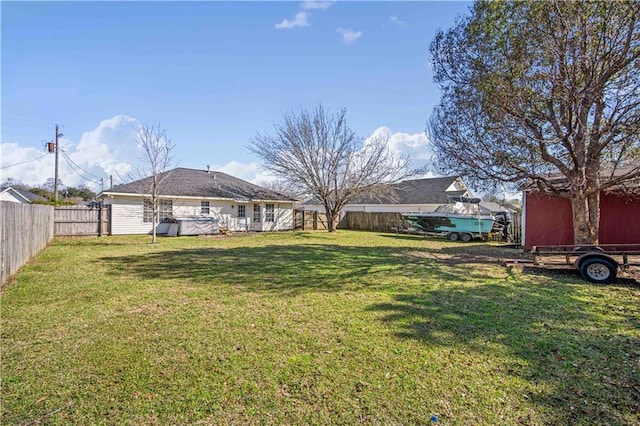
<point x="453" y="236"/>
<point x="598" y="270"/>
<point x="466" y="237"/>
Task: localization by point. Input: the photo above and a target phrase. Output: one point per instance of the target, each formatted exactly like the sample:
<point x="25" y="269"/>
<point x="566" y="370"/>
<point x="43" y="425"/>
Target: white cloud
<point x="398" y="21"/>
<point x="348" y="35"/>
<point x="109" y="149"/>
<point x="300" y="20"/>
<point x="316" y="5"/>
<point x="415" y="145"/>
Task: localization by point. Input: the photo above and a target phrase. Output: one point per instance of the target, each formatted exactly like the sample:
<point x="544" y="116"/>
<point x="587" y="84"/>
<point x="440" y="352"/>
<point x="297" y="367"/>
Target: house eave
<point x="111" y="194"/>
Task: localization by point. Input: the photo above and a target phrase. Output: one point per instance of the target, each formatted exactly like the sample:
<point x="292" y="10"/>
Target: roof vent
<point x="208" y="168"/>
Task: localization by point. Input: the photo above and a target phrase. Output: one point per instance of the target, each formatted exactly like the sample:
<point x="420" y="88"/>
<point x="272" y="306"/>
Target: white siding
<point x="127" y="215"/>
<point x="11" y="196"/>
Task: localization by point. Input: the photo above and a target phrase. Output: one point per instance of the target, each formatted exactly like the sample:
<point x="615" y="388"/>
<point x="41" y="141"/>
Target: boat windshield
<point x="457" y="208"/>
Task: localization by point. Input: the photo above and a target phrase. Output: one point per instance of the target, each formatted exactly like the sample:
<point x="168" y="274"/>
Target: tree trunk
<point x="586" y="218"/>
<point x="154" y="223"/>
<point x="331" y="221"/>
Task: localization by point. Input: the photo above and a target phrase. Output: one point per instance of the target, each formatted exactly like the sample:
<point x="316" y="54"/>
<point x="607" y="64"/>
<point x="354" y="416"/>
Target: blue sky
<point x="213" y="74"/>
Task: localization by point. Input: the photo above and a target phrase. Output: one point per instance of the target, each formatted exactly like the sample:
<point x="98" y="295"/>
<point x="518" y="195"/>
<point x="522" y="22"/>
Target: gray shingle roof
<point x="200" y="183"/>
<point x="416" y="191"/>
<point x="30" y="196"/>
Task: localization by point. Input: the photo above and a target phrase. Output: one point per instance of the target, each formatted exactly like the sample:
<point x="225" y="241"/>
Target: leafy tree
<point x="82" y="192"/>
<point x="318" y="153"/>
<point x="543" y="92"/>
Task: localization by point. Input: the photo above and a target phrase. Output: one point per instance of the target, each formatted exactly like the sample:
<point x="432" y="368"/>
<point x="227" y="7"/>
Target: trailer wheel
<point x="453" y="236"/>
<point x="466" y="237"/>
<point x="598" y="270"/>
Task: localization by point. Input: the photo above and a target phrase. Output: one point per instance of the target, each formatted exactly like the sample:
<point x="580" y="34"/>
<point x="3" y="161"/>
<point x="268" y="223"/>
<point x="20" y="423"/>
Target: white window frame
<point x="165" y="210"/>
<point x="270" y="212"/>
<point x="242" y="208"/>
<point x="257" y="213"/>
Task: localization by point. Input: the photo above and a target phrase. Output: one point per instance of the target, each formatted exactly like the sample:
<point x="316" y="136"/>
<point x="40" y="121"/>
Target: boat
<point x="456" y="220"/>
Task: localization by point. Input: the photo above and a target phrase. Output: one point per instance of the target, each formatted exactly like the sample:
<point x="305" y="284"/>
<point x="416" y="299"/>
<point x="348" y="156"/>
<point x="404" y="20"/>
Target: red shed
<point x="548" y="220"/>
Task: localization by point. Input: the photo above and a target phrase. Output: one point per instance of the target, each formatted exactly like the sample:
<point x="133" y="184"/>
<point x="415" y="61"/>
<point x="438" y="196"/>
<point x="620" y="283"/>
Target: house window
<point x="204" y="207"/>
<point x="242" y="211"/>
<point x="269" y="214"/>
<point x="256" y="213"/>
<point x="165" y="210"/>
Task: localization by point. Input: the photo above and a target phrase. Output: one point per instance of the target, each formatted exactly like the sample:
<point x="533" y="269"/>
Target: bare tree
<point x="545" y="92"/>
<point x="156" y="161"/>
<point x="283" y="187"/>
<point x="318" y="153"/>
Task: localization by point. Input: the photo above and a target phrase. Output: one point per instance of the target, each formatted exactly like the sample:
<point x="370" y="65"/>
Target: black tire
<point x="597" y="270"/>
<point x="453" y="236"/>
<point x="466" y="237"/>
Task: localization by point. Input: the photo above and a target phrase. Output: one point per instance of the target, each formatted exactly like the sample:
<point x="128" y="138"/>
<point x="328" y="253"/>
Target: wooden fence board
<point x="80" y="221"/>
<point x="26" y="229"/>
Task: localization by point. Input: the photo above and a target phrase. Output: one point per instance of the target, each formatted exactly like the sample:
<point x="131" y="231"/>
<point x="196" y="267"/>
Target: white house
<point x="17" y="195"/>
<point x="416" y="195"/>
<point x="237" y="205"/>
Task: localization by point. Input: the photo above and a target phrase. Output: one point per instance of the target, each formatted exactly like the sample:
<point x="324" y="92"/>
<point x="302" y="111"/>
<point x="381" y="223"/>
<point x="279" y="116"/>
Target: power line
<point x="23" y="162"/>
<point x="75" y="164"/>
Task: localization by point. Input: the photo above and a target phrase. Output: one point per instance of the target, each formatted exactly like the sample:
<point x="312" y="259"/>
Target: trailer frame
<point x="597" y="263"/>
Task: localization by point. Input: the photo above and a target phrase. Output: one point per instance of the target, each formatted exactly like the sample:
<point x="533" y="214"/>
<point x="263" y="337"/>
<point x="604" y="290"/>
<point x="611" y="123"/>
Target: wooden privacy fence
<point x="25" y="230"/>
<point x="309" y="220"/>
<point x="78" y="221"/>
<point x="387" y="222"/>
<point x="366" y="221"/>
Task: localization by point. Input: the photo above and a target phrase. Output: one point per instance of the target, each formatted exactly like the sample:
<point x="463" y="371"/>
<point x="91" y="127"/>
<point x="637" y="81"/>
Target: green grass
<point x="311" y="328"/>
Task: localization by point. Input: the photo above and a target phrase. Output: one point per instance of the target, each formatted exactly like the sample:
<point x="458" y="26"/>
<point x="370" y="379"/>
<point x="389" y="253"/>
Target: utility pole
<point x="55" y="178"/>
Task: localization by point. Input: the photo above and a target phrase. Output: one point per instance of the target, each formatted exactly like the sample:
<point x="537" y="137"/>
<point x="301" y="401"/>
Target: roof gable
<point x="182" y="182"/>
<point x="415" y="191"/>
<point x="22" y="194"/>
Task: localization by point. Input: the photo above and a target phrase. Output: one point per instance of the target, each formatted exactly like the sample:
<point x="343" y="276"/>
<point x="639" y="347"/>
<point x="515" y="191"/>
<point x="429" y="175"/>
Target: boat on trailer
<point x="457" y="220"/>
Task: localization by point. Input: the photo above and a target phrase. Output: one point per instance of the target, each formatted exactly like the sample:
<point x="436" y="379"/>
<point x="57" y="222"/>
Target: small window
<point x="165" y="210"/>
<point x="204" y="207"/>
<point x="242" y="211"/>
<point x="256" y="212"/>
<point x="269" y="214"/>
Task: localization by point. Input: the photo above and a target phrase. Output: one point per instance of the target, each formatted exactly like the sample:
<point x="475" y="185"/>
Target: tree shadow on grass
<point x="289" y="269"/>
<point x="566" y="335"/>
<point x="582" y="351"/>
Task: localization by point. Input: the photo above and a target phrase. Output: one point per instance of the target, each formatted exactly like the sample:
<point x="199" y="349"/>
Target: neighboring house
<point x="491" y="208"/>
<point x="417" y="195"/>
<point x="187" y="193"/>
<point x="18" y="195"/>
<point x="548" y="220"/>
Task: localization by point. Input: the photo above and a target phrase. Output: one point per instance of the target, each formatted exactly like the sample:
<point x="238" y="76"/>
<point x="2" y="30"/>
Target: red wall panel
<point x="619" y="220"/>
<point x="549" y="220"/>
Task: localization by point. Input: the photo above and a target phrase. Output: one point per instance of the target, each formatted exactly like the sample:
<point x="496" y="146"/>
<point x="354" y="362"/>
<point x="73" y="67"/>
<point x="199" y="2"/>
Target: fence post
<point x="100" y="217"/>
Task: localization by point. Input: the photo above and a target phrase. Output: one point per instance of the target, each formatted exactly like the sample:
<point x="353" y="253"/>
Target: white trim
<point x="191" y="197"/>
<point x="16" y="193"/>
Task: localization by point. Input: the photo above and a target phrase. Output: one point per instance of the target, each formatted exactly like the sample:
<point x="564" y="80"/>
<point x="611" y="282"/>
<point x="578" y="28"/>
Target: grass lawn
<point x="311" y="328"/>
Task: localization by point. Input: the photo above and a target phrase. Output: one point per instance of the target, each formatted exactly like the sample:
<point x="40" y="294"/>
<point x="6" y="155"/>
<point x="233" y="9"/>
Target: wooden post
<point x="100" y="217"/>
